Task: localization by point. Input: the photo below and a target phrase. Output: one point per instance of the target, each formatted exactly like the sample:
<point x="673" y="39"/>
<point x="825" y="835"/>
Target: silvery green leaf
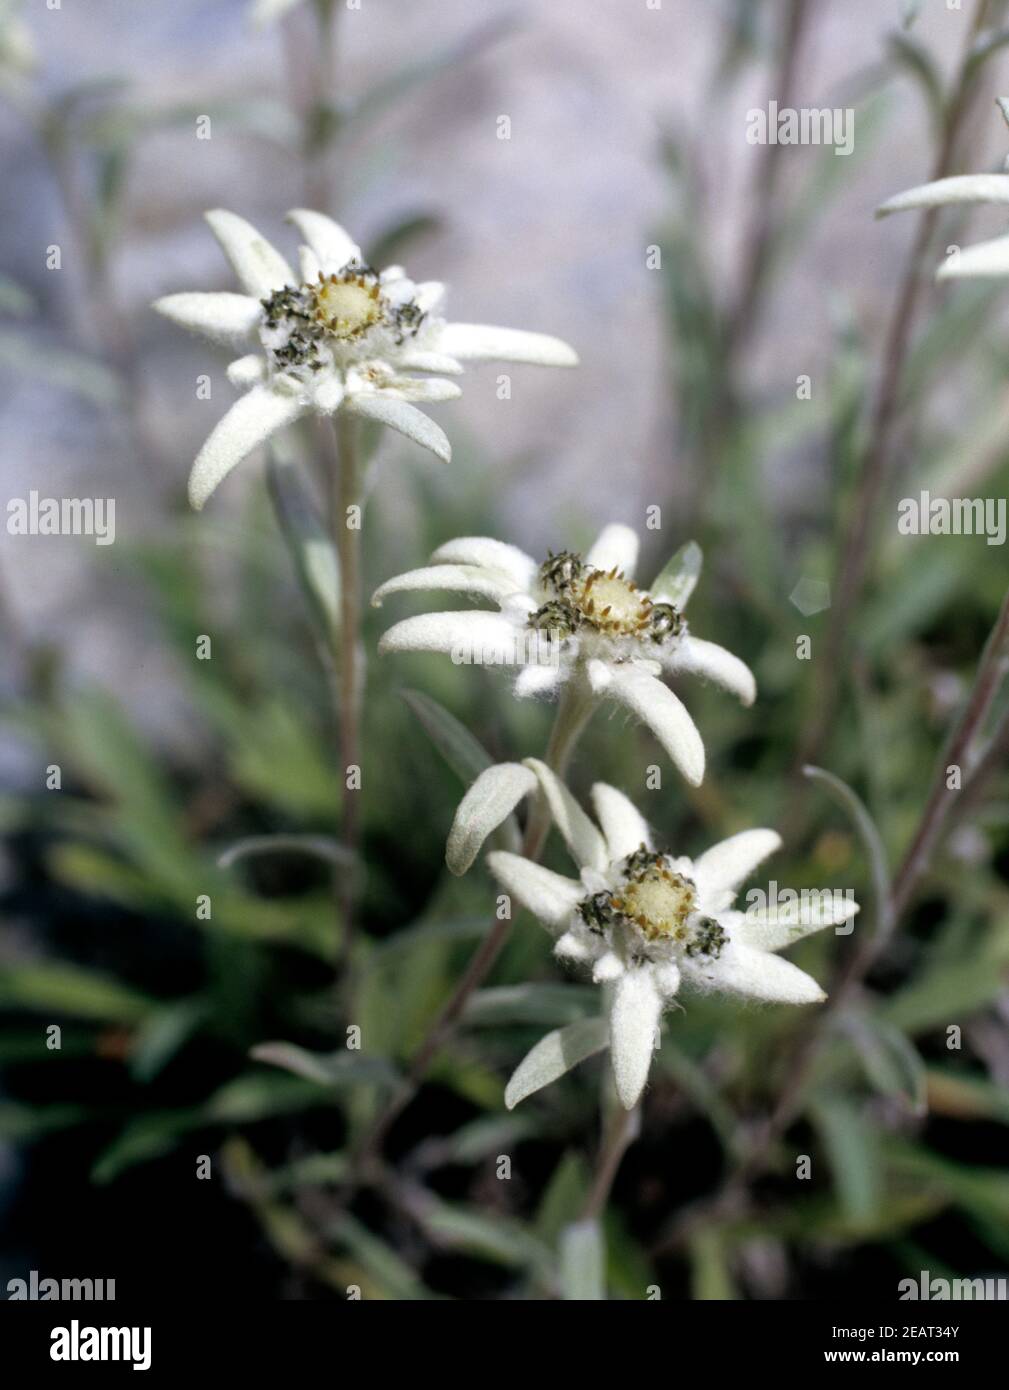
<point x="677" y="581"/>
<point x="319" y="846"/>
<point x="340" y="1068"/>
<point x="424" y="932"/>
<point x="67" y="371"/>
<point x="388" y="246"/>
<point x="315" y="559"/>
<point x="987" y="43"/>
<point x="393" y="1275"/>
<point x="583" y="1262"/>
<point x="14" y="299"/>
<point x="465" y="755"/>
<point x="852" y="1155"/>
<point x="961" y="188"/>
<point x="162" y="1033"/>
<point x="502" y="1239"/>
<point x="392" y="88"/>
<point x="983" y="259"/>
<point x="890" y="1060"/>
<point x="554" y="1055"/>
<point x="871" y="839"/>
<point x="916" y="59"/>
<point x="556" y="1004"/>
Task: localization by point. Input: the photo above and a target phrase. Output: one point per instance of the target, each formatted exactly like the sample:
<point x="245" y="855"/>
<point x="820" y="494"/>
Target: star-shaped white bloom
<point x="573" y="619"/>
<point x="338" y="335"/>
<point x="645" y="922"/>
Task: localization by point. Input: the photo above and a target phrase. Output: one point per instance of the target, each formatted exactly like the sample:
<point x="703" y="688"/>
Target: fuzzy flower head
<point x="645" y="922"/>
<point x="575" y="618"/>
<point x="338" y="335"/>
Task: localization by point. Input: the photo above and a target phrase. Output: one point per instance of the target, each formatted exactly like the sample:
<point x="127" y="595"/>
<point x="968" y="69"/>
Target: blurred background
<point x="699" y="277"/>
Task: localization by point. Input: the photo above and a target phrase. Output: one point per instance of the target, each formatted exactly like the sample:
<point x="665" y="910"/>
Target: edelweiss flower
<point x="646" y="922"/>
<point x="339" y="335"/>
<point x="987" y="257"/>
<point x="574" y="619"/>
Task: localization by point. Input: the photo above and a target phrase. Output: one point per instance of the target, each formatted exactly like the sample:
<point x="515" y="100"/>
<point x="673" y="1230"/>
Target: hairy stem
<point x="620" y="1134"/>
<point x="760" y="241"/>
<point x="572" y="715"/>
<point x="991" y="672"/>
<point x="853" y="558"/>
<point x="345" y="527"/>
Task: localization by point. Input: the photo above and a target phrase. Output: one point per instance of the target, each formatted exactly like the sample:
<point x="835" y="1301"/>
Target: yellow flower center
<point x="659" y="902"/>
<point x="613" y="604"/>
<point x="346" y="305"/>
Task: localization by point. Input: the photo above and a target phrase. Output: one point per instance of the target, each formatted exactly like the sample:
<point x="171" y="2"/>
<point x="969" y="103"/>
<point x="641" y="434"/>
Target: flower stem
<point x="620" y="1134"/>
<point x="345" y="527"/>
<point x="572" y="715"/>
<point x="855" y="551"/>
<point x="990" y="674"/>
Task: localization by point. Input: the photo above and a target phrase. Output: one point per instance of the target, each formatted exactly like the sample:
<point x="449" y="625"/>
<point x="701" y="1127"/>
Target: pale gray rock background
<point x="546" y="231"/>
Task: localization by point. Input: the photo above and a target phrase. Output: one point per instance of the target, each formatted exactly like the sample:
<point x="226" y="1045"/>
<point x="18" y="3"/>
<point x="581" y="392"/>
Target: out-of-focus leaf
<point x="871" y="839"/>
<point x="14" y="299"/>
<point x="275" y="756"/>
<point x="392" y="89"/>
<point x="60" y="369"/>
<point x="982" y="1191"/>
<point x="256" y="1096"/>
<point x="851" y="1153"/>
<point x="698" y="1085"/>
<point x="422" y="933"/>
<point x="315" y="1170"/>
<point x="489" y="1136"/>
<point x="952" y="991"/>
<point x="563" y="1198"/>
<point x="107" y="751"/>
<point x="389" y="247"/>
<point x="710" y="1279"/>
<point x="930" y="576"/>
<point x="890" y="1060"/>
<point x="394" y="1275"/>
<point x="915" y="59"/>
<point x="162" y="1033"/>
<point x="24" y="1123"/>
<point x="464" y="754"/>
<point x="965" y="1097"/>
<point x="551" y="1004"/>
<point x="340" y="1068"/>
<point x="678" y="579"/>
<point x="68" y="989"/>
<point x="985" y="46"/>
<point x="259" y="1095"/>
<point x="554" y="1055"/>
<point x="502" y="1239"/>
<point x="311" y="548"/>
<point x="318" y="846"/>
<point x="583" y="1262"/>
<point x="144" y="1139"/>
